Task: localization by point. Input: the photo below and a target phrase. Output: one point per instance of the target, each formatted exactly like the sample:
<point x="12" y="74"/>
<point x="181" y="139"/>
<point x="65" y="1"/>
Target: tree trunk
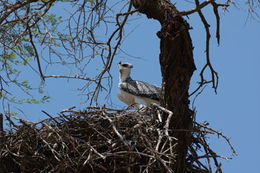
<point x="177" y="67"/>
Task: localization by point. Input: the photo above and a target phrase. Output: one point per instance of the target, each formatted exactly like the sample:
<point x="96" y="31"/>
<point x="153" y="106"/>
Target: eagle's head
<point x="125" y="70"/>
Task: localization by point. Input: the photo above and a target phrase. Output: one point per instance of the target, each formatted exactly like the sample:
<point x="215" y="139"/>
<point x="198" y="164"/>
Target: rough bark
<point x="177" y="67"/>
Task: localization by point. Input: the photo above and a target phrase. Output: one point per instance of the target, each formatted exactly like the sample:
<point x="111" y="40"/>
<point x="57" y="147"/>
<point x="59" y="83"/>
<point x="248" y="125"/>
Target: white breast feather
<point x="126" y="97"/>
<point x="137" y="101"/>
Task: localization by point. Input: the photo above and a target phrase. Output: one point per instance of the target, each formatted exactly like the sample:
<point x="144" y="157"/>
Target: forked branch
<point x="198" y="8"/>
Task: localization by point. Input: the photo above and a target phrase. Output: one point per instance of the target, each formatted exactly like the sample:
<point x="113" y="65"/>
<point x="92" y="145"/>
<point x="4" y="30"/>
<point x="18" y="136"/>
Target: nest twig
<point x="99" y="139"/>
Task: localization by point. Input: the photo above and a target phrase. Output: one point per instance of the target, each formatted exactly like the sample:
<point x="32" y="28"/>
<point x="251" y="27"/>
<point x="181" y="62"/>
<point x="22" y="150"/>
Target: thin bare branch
<point x="36" y="53"/>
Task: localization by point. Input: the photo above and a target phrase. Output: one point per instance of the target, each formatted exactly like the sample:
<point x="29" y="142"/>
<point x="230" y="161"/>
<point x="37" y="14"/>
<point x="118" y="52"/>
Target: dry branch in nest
<point x="100" y="139"/>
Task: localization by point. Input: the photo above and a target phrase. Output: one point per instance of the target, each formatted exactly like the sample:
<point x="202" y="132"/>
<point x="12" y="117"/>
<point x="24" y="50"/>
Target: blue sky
<point x="234" y="110"/>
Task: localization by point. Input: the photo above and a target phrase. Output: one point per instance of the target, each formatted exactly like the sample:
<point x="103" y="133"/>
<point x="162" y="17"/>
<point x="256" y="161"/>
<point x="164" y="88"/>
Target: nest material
<point x="96" y="140"/>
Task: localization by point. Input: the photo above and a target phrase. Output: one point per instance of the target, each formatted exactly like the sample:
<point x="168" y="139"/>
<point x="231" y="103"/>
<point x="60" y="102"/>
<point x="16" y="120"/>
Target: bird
<point x="133" y="92"/>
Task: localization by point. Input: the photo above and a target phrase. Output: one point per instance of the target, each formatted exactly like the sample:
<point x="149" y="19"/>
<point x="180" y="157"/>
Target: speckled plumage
<point x="141" y="89"/>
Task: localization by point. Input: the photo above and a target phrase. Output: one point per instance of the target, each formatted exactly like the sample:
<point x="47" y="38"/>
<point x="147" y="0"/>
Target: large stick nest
<point x="97" y="140"/>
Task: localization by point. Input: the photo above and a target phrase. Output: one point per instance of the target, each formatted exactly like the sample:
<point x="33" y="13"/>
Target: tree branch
<point x="36" y="53"/>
